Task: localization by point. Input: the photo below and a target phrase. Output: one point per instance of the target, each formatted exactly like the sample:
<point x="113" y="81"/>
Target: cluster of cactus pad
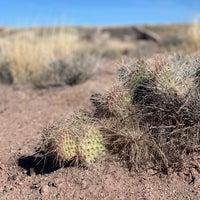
<point x="147" y="118"/>
<point x="76" y="138"/>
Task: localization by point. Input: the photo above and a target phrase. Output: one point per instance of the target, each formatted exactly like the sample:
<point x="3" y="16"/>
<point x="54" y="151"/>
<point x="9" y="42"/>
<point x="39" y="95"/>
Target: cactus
<point x="59" y="142"/>
<point x="140" y="85"/>
<point x="76" y="137"/>
<point x="117" y="100"/>
<point x="90" y="146"/>
<point x="65" y="146"/>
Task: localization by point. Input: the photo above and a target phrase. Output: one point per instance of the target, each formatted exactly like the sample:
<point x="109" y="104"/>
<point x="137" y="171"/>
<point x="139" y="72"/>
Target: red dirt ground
<point x="24" y="111"/>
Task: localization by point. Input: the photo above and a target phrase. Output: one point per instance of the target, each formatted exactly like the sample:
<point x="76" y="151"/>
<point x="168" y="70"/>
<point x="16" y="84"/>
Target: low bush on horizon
<point x="71" y="70"/>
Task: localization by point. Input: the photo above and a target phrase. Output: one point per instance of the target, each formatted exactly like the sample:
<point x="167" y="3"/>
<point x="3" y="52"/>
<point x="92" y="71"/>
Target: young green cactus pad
<point x="117" y="100"/>
<point x="90" y="146"/>
<point x="65" y="145"/>
<point x="59" y="142"/>
<point x="75" y="138"/>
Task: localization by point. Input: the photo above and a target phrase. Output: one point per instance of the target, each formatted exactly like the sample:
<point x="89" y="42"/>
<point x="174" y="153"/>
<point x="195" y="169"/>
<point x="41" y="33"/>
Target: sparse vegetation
<point x="69" y="71"/>
<point x="160" y="128"/>
<point x="143" y="121"/>
<point x="194" y="33"/>
<point x="149" y="119"/>
<point x="29" y="54"/>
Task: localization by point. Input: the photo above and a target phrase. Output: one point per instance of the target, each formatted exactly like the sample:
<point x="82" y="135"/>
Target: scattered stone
<point x="2" y="166"/>
<point x="32" y="172"/>
<point x="84" y="184"/>
<point x="12" y="177"/>
<point x="44" y="189"/>
<point x="35" y="186"/>
<point x="52" y="183"/>
<point x="7" y="188"/>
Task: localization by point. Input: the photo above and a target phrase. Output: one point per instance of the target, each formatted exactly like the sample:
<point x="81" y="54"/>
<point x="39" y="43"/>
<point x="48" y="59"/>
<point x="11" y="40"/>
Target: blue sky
<point x="97" y="12"/>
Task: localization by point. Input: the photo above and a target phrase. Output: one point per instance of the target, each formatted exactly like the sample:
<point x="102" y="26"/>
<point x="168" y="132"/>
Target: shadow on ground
<point x="40" y="165"/>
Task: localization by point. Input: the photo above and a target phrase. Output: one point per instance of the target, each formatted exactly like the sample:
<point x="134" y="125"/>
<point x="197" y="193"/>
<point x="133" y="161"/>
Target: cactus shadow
<point x="40" y="165"/>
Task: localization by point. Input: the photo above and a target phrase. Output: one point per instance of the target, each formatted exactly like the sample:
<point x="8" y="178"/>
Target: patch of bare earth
<point x="23" y="113"/>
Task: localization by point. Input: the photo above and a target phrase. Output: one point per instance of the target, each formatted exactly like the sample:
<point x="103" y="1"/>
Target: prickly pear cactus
<point x="59" y="142"/>
<point x="65" y="146"/>
<point x="91" y="146"/>
<point x="118" y="100"/>
<point x="88" y="138"/>
<point x="140" y="85"/>
<point x="76" y="138"/>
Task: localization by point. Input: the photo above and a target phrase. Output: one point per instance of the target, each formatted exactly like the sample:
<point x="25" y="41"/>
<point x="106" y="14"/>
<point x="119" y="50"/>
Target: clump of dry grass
<point x="71" y="70"/>
<point x="194" y="33"/>
<point x="29" y="53"/>
<point x="160" y="127"/>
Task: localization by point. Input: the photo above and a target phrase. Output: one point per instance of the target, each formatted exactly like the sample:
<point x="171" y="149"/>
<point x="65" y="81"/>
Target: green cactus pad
<point x="65" y="146"/>
<point x="118" y="100"/>
<point x="78" y="138"/>
<point x="90" y="146"/>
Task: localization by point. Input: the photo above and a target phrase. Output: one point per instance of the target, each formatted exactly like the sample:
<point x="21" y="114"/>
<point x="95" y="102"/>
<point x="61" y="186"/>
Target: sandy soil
<point x="24" y="111"/>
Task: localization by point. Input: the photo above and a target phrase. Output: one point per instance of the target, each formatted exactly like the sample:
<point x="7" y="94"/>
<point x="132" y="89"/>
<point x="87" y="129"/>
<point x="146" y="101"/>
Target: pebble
<point x="2" y="166"/>
<point x="44" y="189"/>
<point x="35" y="186"/>
<point x="52" y="184"/>
<point x="13" y="177"/>
<point x="7" y="188"/>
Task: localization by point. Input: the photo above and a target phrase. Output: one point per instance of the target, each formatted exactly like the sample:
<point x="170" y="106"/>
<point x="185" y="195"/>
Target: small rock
<point x="32" y="172"/>
<point x="2" y="166"/>
<point x="84" y="184"/>
<point x="7" y="188"/>
<point x="44" y="189"/>
<point x="13" y="177"/>
<point x="52" y="184"/>
<point x="35" y="186"/>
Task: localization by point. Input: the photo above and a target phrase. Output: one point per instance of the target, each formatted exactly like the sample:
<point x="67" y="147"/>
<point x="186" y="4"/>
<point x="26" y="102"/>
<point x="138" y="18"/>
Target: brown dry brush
<point x="160" y="128"/>
<point x="173" y="126"/>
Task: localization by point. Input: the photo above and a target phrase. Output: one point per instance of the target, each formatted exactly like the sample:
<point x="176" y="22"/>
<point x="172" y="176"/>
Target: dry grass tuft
<point x="29" y="53"/>
<point x="70" y="70"/>
<point x="194" y="33"/>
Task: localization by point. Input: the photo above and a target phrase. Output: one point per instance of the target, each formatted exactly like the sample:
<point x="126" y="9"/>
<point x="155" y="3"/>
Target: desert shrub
<point x="146" y="49"/>
<point x="160" y="127"/>
<point x="28" y="53"/>
<point x="69" y="71"/>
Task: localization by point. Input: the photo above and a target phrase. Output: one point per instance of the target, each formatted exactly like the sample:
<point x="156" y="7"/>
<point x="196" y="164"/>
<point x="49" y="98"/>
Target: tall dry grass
<point x="28" y="53"/>
<point x="194" y="33"/>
